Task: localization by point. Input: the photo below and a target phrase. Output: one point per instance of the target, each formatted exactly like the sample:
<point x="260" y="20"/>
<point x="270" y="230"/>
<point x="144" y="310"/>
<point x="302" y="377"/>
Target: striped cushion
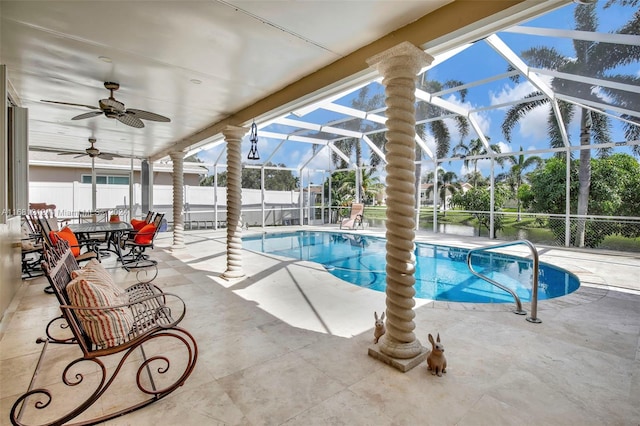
<point x="107" y="327"/>
<point x="98" y="275"/>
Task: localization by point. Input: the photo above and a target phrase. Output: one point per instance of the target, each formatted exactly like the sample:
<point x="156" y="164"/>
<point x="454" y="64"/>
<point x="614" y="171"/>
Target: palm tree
<point x="370" y="185"/>
<point x="446" y="184"/>
<point x="437" y="128"/>
<point x="475" y="148"/>
<point x="515" y="176"/>
<point x="592" y="59"/>
<point x="351" y="146"/>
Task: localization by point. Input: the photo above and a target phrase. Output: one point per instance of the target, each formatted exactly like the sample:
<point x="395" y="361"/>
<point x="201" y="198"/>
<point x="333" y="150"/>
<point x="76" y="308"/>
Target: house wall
<point x="72" y="174"/>
<point x="10" y="263"/>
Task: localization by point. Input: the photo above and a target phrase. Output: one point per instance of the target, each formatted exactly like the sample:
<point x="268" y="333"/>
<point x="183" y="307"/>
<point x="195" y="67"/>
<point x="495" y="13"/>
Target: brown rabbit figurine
<point x="380" y="329"/>
<point x="436" y="361"/>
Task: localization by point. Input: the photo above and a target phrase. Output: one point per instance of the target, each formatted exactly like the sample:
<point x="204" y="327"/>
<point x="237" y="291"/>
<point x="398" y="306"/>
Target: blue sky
<point x="475" y="63"/>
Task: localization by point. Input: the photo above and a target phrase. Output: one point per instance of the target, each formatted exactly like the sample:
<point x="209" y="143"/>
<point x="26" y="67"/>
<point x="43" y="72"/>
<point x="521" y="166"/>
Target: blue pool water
<point x="441" y="271"/>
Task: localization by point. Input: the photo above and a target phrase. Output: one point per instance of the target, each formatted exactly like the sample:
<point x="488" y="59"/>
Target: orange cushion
<point x="145" y="235"/>
<point x="138" y="224"/>
<point x="67" y="235"/>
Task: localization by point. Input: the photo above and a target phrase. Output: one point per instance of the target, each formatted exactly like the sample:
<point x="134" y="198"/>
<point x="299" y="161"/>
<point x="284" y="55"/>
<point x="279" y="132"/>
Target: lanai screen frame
<point x="325" y="135"/>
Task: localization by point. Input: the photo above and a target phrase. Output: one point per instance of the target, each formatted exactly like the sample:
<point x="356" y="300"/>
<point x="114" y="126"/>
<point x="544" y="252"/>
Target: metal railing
<point x="534" y="294"/>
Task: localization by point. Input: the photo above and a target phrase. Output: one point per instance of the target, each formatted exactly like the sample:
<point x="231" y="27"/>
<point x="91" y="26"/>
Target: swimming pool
<point x="441" y="271"/>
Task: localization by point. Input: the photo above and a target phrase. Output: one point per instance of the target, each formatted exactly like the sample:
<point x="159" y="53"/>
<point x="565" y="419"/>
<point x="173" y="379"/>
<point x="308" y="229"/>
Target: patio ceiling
<point x="334" y="118"/>
<point x="208" y="64"/>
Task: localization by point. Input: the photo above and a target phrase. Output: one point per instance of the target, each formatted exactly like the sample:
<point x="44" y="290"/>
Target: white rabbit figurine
<point x="380" y="329"/>
<point x="436" y="361"/>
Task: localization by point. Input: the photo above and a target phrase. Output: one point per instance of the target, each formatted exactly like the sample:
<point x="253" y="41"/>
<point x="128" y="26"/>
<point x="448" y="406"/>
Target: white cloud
<point x="482" y="118"/>
<point x="504" y="147"/>
<point x="534" y="124"/>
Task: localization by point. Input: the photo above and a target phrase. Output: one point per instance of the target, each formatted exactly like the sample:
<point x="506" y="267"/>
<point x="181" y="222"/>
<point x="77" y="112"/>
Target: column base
<point x="403" y="365"/>
<point x="232" y="275"/>
<point x="178" y="247"/>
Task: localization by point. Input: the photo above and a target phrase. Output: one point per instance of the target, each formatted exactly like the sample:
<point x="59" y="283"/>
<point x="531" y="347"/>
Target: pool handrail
<point x="534" y="295"/>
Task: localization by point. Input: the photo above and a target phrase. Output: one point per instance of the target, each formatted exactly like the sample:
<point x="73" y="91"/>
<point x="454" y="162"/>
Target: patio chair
<point x="355" y="218"/>
<point x="138" y="242"/>
<point x="50" y="237"/>
<point x="31" y="245"/>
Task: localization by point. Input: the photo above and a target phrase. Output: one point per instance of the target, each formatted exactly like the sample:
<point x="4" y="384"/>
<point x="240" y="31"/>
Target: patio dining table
<point x="113" y="232"/>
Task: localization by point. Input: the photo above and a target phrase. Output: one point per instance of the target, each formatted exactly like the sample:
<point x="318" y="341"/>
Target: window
<point x="109" y="180"/>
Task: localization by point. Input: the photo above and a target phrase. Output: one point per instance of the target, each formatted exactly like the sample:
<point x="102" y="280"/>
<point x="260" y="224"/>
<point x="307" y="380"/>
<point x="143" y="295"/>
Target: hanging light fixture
<point x="253" y="152"/>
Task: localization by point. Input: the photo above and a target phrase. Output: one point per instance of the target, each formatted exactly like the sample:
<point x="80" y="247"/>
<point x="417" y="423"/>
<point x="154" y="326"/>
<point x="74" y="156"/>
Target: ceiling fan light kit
<point x="112" y="108"/>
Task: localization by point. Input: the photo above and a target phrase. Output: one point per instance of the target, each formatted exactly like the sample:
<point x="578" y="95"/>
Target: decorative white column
<point x="177" y="159"/>
<point x="233" y="136"/>
<point x="399" y="67"/>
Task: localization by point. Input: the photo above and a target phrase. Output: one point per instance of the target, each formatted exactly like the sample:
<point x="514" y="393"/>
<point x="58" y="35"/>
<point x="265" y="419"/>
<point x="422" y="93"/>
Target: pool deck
<point x="288" y="345"/>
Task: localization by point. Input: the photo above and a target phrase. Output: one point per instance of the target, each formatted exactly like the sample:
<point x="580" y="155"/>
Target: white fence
<point x="203" y="205"/>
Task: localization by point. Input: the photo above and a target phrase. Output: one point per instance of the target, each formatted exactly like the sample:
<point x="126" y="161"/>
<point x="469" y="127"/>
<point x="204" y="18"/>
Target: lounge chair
<point x="355" y="218"/>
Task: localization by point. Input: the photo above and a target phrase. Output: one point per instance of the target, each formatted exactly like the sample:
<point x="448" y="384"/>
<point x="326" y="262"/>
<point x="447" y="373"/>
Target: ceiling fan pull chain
<point x="253" y="152"/>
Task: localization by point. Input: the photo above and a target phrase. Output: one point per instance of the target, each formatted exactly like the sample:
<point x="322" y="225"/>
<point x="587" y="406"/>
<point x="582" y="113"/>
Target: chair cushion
<point x="95" y="272"/>
<point x="67" y="235"/>
<point x="145" y="235"/>
<point x="138" y="224"/>
<point x="106" y="327"/>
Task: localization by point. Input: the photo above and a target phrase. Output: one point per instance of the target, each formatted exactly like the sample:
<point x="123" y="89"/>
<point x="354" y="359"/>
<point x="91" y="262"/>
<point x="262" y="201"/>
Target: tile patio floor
<point x="288" y="346"/>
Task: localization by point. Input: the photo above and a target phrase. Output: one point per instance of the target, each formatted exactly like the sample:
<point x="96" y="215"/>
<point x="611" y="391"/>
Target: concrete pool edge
<point x="584" y="277"/>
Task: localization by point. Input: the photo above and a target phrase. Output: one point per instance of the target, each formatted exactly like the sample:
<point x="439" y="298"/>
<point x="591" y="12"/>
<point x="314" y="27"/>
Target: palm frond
<point x="449" y="84"/>
<point x="601" y="132"/>
<point x="442" y="136"/>
<point x="610" y="3"/>
<point x="516" y="112"/>
<point x="608" y="56"/>
<point x="555" y="135"/>
<point x="545" y="57"/>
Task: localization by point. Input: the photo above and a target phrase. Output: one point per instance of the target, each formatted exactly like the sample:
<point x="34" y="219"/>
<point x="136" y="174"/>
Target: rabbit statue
<point x="379" y="329"/>
<point x="436" y="361"/>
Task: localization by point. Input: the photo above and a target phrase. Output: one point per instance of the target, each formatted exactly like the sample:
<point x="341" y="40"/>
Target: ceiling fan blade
<point x="70" y="103"/>
<point x="146" y="115"/>
<point x="70" y="153"/>
<point x="130" y="120"/>
<point x="105" y="156"/>
<point x="87" y="115"/>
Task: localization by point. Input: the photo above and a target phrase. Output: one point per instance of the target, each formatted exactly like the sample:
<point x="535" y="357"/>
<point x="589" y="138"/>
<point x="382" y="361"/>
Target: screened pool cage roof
<point x="500" y="80"/>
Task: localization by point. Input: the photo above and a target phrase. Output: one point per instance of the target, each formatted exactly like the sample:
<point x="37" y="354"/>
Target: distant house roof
<point x="52" y="159"/>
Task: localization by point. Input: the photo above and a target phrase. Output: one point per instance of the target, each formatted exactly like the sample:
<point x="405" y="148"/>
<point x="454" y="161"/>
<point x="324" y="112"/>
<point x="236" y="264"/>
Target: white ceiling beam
<point x="450" y="106"/>
<point x="632" y="40"/>
<point x="298" y="123"/>
<point x="476" y="83"/>
<point x="274" y="151"/>
<point x="423" y="146"/>
<point x="598" y="105"/>
<point x="561" y="124"/>
<point x="506" y="104"/>
<point x="548" y="150"/>
<point x="352" y="112"/>
<point x="314" y="155"/>
<point x="510" y="56"/>
<point x="295" y="138"/>
<point x="374" y="148"/>
<point x="339" y="152"/>
<point x="588" y="80"/>
<point x="342" y="132"/>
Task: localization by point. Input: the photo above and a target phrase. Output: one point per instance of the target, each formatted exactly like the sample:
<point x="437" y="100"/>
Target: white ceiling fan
<point x="112" y="108"/>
